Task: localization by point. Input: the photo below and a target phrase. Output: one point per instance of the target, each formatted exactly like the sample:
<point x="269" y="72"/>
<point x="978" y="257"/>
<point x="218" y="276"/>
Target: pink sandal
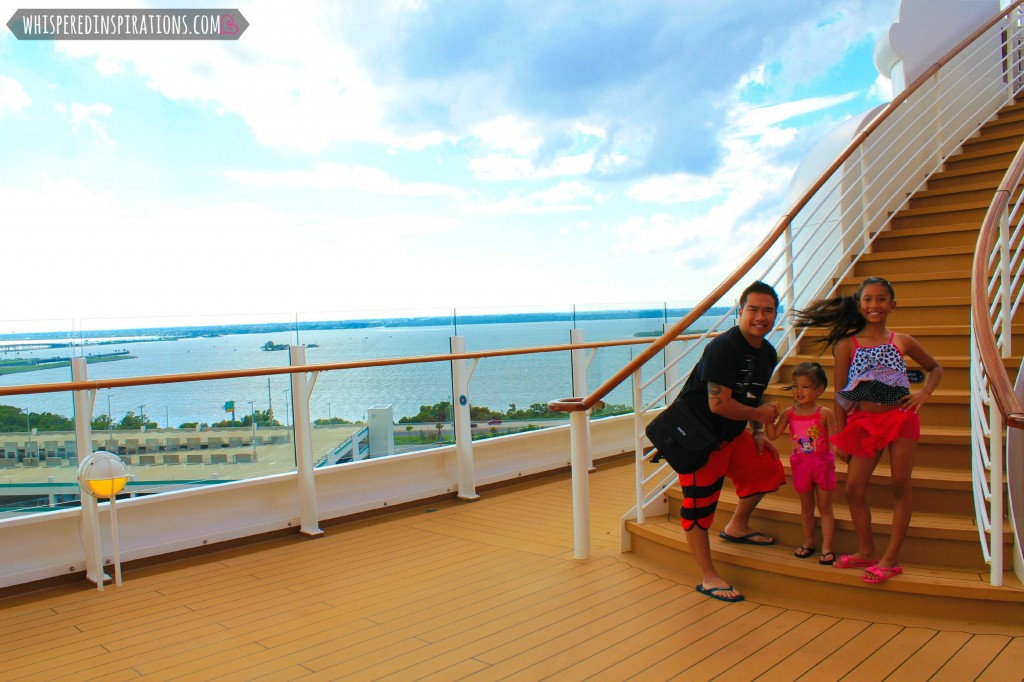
<point x="850" y="561"/>
<point x="879" y="574"/>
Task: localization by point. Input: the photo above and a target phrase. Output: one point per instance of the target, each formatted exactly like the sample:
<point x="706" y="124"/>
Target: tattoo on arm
<point x="715" y="394"/>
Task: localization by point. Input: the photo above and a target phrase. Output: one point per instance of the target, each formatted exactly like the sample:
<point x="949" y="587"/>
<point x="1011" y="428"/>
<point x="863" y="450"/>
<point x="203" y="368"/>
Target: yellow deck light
<point x="102" y="475"/>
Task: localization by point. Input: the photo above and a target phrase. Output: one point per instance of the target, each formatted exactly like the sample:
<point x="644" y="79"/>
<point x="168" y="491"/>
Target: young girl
<point x="875" y="410"/>
<point x="812" y="462"/>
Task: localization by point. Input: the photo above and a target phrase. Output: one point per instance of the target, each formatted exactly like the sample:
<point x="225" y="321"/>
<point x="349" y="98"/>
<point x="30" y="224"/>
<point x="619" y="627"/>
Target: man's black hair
<point x="758" y="287"/>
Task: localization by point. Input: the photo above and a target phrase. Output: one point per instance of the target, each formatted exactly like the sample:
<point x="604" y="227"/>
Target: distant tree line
<point x="14" y="419"/>
<point x="442" y="412"/>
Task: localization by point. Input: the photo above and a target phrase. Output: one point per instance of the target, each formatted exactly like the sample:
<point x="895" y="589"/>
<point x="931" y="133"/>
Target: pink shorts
<point x="813" y="471"/>
<point x="868" y="432"/>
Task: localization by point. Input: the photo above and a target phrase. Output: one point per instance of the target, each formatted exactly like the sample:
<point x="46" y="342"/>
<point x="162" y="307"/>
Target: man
<point x="724" y="392"/>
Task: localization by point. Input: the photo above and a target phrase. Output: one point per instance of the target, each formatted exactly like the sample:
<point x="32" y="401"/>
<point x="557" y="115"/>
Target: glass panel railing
<point x="199" y="433"/>
<point x="347" y="408"/>
<point x="36" y="429"/>
<point x="509" y="394"/>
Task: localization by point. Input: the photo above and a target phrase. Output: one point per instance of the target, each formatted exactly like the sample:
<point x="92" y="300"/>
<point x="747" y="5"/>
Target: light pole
<point x="252" y="418"/>
<point x="110" y="417"/>
<point x="167" y="418"/>
<point x="287" y="408"/>
<point x="329" y="413"/>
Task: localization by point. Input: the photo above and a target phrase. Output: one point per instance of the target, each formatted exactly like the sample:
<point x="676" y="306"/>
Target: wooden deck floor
<point x="478" y="591"/>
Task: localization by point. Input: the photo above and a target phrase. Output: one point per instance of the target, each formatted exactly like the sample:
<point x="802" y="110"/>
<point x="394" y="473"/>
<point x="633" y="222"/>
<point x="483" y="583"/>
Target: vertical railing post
<point x="580" y="484"/>
<point x="83" y="402"/>
<point x="302" y="389"/>
<point x="638" y="445"/>
<point x="673" y="351"/>
<point x="935" y="94"/>
<point x="995" y="509"/>
<point x="462" y="372"/>
<point x="579" y="365"/>
<point x="1005" y="293"/>
<point x="865" y="204"/>
<point x="789" y="293"/>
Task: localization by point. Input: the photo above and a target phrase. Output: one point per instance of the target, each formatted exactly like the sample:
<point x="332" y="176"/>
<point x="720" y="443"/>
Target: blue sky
<point x="397" y="155"/>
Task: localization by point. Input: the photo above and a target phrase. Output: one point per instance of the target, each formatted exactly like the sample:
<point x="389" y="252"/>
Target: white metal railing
<point x="816" y="243"/>
<point x="996" y="452"/>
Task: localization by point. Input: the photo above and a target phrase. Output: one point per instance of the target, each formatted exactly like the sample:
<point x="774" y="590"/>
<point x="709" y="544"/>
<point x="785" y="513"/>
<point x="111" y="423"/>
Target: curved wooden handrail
<point x="576" y="404"/>
<point x="92" y="384"/>
<point x="991" y="359"/>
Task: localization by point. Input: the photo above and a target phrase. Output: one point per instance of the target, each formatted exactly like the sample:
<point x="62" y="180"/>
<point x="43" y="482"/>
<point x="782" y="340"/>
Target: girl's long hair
<point x="840" y="315"/>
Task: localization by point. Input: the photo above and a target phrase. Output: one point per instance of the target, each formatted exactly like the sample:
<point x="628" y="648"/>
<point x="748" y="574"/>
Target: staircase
<point x="926" y="253"/>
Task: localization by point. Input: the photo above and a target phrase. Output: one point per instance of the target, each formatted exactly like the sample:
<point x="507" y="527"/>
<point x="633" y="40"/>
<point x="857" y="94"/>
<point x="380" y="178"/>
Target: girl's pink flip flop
<point x="879" y="574"/>
<point x="850" y="561"/>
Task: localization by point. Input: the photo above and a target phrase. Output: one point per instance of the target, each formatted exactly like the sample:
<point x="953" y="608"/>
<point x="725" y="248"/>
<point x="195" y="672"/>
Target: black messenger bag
<point x="681" y="439"/>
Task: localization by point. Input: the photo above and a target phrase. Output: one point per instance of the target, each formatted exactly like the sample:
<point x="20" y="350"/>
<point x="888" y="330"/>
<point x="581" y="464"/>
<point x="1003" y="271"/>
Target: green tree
<point x="438" y="412"/>
<point x="132" y="421"/>
<point x="102" y="423"/>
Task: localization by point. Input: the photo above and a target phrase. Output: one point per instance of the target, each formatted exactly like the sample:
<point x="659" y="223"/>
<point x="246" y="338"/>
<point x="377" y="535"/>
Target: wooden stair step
<point x="961" y="189"/>
<point x="959" y="207"/>
<point x="911" y="238"/>
<point x="996" y="135"/>
<point x="897" y="232"/>
<point x="966" y="174"/>
<point x="781" y="556"/>
<point x="946" y="339"/>
<point x="982" y="158"/>
<point x="947" y="527"/>
<point x="917" y="284"/>
<point x="936" y="488"/>
<point x="919" y="260"/>
<point x="1004" y="147"/>
<point x="921" y="589"/>
<point x="945" y="406"/>
<point x="1011" y="108"/>
<point x="934" y="537"/>
<point x="956" y="368"/>
<point x="1005" y="117"/>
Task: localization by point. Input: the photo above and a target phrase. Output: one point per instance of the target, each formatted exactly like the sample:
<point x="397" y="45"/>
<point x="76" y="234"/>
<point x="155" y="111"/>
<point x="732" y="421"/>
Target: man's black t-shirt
<point x="729" y="361"/>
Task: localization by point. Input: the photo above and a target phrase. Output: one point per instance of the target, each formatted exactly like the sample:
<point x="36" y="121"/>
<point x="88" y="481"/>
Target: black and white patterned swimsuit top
<point x="877" y="375"/>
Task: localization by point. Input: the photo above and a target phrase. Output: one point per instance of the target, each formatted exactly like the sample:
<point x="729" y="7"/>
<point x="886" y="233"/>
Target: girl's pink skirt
<point x="868" y="432"/>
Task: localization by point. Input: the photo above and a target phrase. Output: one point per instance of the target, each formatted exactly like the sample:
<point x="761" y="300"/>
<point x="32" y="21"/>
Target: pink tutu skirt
<point x="868" y="432"/>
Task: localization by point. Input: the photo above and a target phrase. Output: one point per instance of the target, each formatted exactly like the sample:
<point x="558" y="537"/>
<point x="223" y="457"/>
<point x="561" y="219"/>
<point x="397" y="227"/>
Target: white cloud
<point x="508" y="132"/>
<point x="562" y="198"/>
<point x="755" y="121"/>
<point x="500" y="168"/>
<point x="88" y="115"/>
<point x="328" y="175"/>
<point x="13" y="97"/>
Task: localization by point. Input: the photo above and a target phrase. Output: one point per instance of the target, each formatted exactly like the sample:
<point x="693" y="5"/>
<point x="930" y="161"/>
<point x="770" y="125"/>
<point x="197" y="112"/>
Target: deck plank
<point x="481" y="591"/>
<point x="1007" y="664"/>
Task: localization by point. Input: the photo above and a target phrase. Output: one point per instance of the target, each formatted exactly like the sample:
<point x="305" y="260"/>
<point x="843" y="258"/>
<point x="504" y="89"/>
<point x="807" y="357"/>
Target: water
<point x="496" y="383"/>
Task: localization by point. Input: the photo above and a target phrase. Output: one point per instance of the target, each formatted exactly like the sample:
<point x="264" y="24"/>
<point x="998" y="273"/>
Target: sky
<point x="349" y="158"/>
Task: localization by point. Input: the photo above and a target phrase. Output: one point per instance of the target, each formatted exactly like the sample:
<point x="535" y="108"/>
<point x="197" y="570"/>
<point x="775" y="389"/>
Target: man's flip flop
<point x="747" y="539"/>
<point x="713" y="593"/>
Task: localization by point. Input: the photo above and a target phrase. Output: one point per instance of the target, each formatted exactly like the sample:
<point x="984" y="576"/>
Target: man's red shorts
<point x="751" y="474"/>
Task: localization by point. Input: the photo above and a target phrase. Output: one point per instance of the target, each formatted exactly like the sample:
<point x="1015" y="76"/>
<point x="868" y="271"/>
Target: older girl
<point x="876" y="410"/>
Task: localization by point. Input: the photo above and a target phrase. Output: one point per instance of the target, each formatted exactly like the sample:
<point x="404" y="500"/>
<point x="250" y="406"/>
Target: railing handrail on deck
<point x="92" y="384"/>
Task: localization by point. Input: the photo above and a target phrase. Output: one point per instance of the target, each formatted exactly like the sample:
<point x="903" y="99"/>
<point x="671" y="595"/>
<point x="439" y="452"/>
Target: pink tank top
<point x="809" y="434"/>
